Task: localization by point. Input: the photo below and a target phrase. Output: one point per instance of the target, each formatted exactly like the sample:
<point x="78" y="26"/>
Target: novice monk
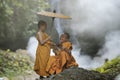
<point x="63" y="58"/>
<point x="67" y="60"/>
<point x="43" y="50"/>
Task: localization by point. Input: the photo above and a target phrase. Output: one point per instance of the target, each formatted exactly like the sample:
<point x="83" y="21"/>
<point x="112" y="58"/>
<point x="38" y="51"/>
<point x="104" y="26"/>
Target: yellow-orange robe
<point x="64" y="60"/>
<point x="67" y="60"/>
<point x="53" y="66"/>
<point x="42" y="57"/>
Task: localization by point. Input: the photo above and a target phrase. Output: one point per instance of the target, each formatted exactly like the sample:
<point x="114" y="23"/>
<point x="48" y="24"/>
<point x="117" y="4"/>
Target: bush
<point x="12" y="64"/>
<point x="111" y="68"/>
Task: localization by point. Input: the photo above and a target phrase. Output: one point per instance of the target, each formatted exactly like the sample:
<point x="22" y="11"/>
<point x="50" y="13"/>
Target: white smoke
<point x="94" y="18"/>
<point x="118" y="77"/>
<point x="32" y="46"/>
<point x="55" y="6"/>
<point x="110" y="50"/>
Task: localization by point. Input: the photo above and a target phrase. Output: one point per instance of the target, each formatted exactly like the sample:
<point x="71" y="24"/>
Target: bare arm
<point x="41" y="40"/>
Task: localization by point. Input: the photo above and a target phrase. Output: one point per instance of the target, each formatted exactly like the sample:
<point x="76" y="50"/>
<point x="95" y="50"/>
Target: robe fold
<point x="63" y="60"/>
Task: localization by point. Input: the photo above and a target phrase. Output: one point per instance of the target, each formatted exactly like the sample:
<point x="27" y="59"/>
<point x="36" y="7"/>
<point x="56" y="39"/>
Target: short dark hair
<point x="68" y="35"/>
<point x="41" y="23"/>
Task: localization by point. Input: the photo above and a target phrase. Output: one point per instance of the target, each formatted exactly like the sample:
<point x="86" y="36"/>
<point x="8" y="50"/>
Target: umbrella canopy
<point x="53" y="15"/>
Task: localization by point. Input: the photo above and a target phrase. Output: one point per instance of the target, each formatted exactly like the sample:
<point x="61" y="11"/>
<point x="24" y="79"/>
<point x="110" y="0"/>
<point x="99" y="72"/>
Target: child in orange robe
<point x="67" y="60"/>
<point x="63" y="59"/>
<point x="43" y="50"/>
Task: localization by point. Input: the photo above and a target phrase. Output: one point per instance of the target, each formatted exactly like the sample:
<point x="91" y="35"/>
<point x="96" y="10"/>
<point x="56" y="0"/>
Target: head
<point x="42" y="25"/>
<point x="64" y="37"/>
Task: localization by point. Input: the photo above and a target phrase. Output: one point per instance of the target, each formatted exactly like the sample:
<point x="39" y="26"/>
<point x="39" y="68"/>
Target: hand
<point x="52" y="43"/>
<point x="49" y="38"/>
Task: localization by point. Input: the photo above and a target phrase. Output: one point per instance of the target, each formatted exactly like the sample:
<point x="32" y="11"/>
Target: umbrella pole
<point x="52" y="26"/>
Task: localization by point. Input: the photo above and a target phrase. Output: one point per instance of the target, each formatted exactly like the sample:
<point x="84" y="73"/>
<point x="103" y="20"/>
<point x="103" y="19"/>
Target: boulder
<point x="75" y="73"/>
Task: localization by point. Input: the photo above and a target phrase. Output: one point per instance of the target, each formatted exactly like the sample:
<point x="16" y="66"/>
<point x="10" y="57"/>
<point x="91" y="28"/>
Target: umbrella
<point x="53" y="15"/>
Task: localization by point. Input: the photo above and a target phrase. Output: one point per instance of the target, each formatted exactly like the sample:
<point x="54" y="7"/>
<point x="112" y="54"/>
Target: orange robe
<point x="42" y="57"/>
<point x="53" y="66"/>
<point x="67" y="60"/>
<point x="64" y="60"/>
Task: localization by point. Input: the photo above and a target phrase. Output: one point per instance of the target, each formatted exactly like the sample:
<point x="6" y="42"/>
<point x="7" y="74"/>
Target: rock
<point x="80" y="74"/>
<point x="4" y="78"/>
<point x="21" y="51"/>
<point x="19" y="78"/>
<point x="31" y="76"/>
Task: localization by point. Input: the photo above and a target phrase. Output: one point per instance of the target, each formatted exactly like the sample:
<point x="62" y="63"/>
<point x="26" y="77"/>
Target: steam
<point x="55" y="6"/>
<point x="92" y="17"/>
<point x="97" y="19"/>
<point x="110" y="50"/>
<point x="32" y="46"/>
<point x="118" y="77"/>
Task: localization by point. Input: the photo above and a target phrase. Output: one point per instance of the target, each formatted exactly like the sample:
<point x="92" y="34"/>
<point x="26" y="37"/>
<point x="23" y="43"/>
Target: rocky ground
<point x="108" y="71"/>
<point x="19" y="66"/>
<point x="81" y="74"/>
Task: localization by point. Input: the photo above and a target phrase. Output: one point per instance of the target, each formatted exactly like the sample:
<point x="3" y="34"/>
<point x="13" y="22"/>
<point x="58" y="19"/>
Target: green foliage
<point x="13" y="64"/>
<point x="17" y="21"/>
<point x="111" y="67"/>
